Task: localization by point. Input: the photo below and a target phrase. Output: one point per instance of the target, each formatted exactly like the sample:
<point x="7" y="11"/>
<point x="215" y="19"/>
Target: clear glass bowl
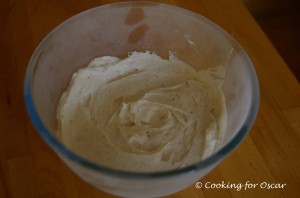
<point x="115" y="30"/>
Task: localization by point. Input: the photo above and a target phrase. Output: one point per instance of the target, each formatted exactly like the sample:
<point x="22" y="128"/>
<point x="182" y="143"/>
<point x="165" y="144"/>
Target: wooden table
<point x="269" y="154"/>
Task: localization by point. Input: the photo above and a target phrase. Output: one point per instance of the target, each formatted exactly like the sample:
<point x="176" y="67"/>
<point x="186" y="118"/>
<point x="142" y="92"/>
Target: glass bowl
<point x="115" y="30"/>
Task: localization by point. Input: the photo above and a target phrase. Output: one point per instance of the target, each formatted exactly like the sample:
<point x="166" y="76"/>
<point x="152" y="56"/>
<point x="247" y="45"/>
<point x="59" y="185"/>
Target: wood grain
<point x="279" y="19"/>
<point x="29" y="168"/>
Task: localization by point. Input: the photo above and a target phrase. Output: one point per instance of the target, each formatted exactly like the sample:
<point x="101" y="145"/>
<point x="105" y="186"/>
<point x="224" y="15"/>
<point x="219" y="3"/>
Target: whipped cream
<point x="143" y="113"/>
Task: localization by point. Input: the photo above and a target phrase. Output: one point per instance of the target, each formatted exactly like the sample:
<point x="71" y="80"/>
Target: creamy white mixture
<point x="143" y="113"/>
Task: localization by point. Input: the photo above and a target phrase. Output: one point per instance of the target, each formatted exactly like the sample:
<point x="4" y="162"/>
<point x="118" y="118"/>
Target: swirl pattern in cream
<point x="143" y="113"/>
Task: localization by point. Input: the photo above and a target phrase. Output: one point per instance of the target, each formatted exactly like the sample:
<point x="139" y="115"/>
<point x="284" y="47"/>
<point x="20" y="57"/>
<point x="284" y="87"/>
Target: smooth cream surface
<point x="143" y="113"/>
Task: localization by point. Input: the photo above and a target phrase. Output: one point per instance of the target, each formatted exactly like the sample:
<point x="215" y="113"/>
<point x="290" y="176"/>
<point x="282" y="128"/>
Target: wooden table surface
<point x="269" y="155"/>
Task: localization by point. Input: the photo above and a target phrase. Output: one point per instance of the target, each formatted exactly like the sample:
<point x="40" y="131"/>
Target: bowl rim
<point x="211" y="160"/>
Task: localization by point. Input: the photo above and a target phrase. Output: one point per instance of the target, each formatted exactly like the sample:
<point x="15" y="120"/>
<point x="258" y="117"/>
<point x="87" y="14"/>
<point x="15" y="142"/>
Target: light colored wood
<point x="270" y="153"/>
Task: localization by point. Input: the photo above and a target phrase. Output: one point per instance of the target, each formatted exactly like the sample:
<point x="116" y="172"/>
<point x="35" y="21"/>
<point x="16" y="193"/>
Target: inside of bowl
<point x="118" y="30"/>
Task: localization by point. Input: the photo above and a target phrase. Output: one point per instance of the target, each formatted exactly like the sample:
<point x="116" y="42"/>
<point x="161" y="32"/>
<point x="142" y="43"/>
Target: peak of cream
<point x="143" y="113"/>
